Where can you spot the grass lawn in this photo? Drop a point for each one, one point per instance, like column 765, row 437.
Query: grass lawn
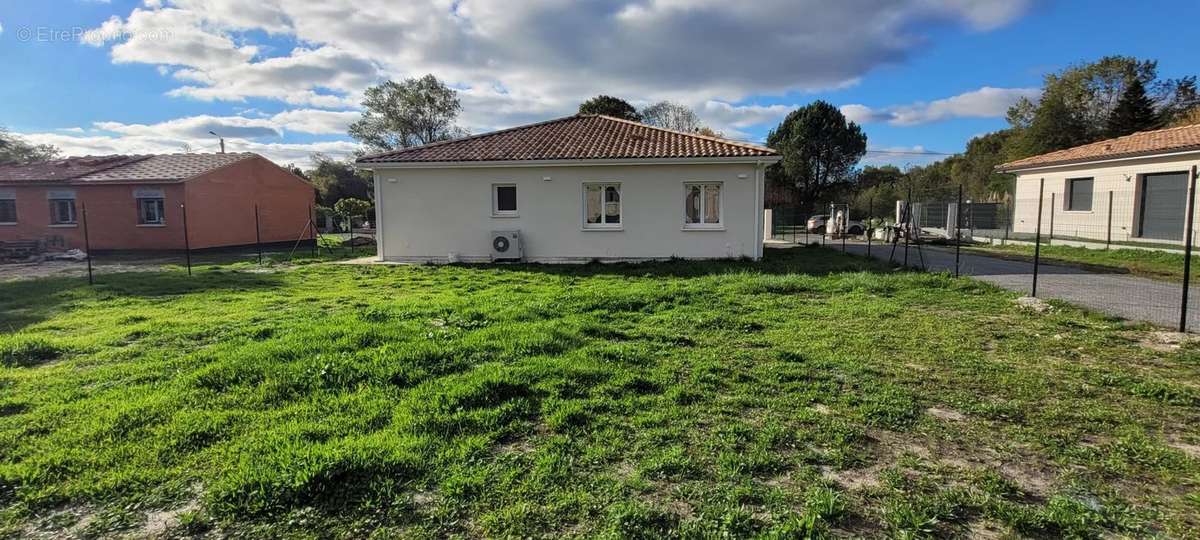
column 813, row 394
column 1152, row 264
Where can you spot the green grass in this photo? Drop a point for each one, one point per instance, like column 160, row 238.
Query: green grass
column 809, row 395
column 1146, row 263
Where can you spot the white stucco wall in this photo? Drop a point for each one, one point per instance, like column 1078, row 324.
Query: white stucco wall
column 425, row 214
column 1122, row 178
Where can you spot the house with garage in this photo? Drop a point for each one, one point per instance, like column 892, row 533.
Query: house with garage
column 1130, row 189
column 575, row 189
column 139, row 202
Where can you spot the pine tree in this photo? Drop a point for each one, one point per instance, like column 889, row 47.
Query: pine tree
column 1134, row 112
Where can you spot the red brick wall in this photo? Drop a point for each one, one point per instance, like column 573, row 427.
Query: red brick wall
column 111, row 216
column 220, row 208
column 220, row 204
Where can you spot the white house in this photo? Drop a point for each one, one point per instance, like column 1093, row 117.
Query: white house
column 575, row 189
column 1129, row 189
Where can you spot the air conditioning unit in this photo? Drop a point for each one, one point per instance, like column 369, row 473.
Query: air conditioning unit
column 506, row 245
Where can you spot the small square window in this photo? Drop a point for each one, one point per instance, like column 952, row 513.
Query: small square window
column 504, row 199
column 151, row 211
column 62, row 211
column 8, row 211
column 1079, row 194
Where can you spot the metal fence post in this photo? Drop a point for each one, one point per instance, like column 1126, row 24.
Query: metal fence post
column 313, row 231
column 908, row 219
column 257, row 235
column 1187, row 250
column 1037, row 242
column 1108, row 238
column 1051, row 217
column 957, row 231
column 187, row 246
column 87, row 245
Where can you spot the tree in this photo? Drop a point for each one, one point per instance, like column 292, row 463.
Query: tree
column 671, row 115
column 819, row 148
column 1134, row 112
column 1187, row 118
column 610, row 106
column 350, row 208
column 336, row 180
column 1078, row 102
column 407, row 113
column 14, row 149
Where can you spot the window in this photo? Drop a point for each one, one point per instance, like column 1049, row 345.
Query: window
column 504, row 200
column 702, row 206
column 1079, row 194
column 602, row 206
column 8, row 210
column 62, row 211
column 151, row 211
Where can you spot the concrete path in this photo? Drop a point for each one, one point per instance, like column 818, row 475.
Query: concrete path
column 1119, row 295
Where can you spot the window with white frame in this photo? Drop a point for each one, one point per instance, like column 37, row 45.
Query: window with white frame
column 504, row 199
column 702, row 205
column 8, row 207
column 62, row 208
column 602, row 206
column 151, row 211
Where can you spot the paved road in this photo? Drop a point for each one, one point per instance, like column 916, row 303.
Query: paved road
column 1120, row 295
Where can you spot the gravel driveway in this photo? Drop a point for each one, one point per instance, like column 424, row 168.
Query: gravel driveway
column 1119, row 295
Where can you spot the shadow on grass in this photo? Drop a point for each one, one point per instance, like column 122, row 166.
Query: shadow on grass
column 27, row 302
column 814, row 261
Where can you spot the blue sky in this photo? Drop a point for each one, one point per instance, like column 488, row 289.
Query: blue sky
column 283, row 77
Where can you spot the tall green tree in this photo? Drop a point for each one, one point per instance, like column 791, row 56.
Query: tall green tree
column 408, row 113
column 820, row 149
column 1134, row 112
column 610, row 106
column 14, row 149
column 1078, row 102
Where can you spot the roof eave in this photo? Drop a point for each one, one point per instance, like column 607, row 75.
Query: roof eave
column 766, row 160
column 1005, row 168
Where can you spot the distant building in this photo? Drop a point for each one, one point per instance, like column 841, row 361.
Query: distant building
column 1129, row 189
column 137, row 202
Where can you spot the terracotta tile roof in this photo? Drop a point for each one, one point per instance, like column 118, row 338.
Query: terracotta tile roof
column 62, row 170
column 1137, row 144
column 579, row 137
column 166, row 167
column 117, row 169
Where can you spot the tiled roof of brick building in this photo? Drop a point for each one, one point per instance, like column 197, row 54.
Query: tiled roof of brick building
column 1138, row 144
column 118, row 168
column 579, row 137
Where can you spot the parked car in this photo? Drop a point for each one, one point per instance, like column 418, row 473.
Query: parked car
column 816, row 224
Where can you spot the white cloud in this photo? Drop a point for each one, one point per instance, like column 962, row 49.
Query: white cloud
column 282, row 153
column 549, row 54
column 987, row 102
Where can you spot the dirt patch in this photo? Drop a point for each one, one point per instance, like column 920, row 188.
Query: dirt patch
column 821, row 409
column 158, row 523
column 945, row 414
column 1162, row 341
column 1033, row 304
column 855, row 479
column 986, row 530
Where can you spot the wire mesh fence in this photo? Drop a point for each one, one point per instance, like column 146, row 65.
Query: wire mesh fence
column 95, row 238
column 1125, row 252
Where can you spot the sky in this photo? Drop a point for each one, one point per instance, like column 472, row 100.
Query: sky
column 284, row 78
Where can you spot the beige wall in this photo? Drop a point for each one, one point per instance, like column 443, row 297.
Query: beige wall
column 425, row 214
column 1122, row 178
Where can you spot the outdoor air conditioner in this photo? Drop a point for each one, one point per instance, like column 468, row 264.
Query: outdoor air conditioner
column 506, row 245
